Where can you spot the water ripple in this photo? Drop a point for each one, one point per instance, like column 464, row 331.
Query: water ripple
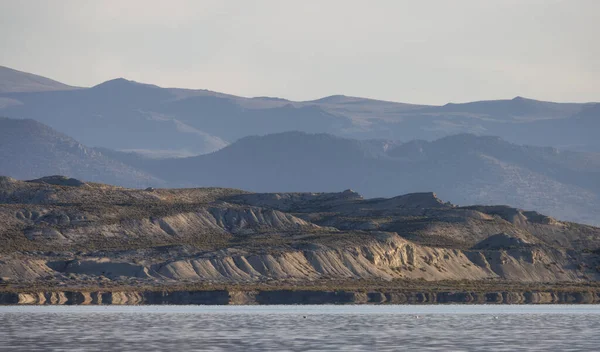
column 300, row 328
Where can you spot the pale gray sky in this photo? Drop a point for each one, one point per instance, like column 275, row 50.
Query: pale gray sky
column 422, row 51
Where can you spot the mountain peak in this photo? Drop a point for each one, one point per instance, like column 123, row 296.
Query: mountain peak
column 519, row 98
column 332, row 99
column 121, row 82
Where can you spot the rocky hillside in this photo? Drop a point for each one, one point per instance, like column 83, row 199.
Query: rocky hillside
column 67, row 233
column 29, row 149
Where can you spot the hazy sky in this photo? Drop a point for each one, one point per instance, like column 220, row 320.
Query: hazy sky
column 411, row 51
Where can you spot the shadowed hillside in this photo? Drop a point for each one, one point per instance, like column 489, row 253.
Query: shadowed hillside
column 29, row 149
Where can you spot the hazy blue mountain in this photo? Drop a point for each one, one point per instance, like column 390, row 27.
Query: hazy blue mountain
column 519, row 108
column 229, row 118
column 29, row 150
column 125, row 115
column 464, row 169
column 118, row 114
column 519, row 120
column 584, row 129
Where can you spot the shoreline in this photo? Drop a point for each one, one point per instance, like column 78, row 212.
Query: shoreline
column 295, row 297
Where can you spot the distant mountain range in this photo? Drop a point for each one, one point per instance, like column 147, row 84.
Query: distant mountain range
column 29, row 149
column 463, row 169
column 125, row 115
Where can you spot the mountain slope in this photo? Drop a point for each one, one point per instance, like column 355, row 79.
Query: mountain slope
column 290, row 161
column 488, row 170
column 12, row 81
column 29, row 149
column 462, row 168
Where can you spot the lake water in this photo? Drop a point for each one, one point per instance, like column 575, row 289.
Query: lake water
column 301, row 328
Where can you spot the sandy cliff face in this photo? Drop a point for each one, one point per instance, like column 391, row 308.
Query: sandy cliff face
column 387, row 257
column 391, row 258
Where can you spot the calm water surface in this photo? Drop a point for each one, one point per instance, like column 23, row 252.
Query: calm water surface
column 300, row 328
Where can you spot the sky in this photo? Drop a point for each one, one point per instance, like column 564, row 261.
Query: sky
column 425, row 52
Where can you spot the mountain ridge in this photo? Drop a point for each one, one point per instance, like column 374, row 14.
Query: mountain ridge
column 157, row 114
